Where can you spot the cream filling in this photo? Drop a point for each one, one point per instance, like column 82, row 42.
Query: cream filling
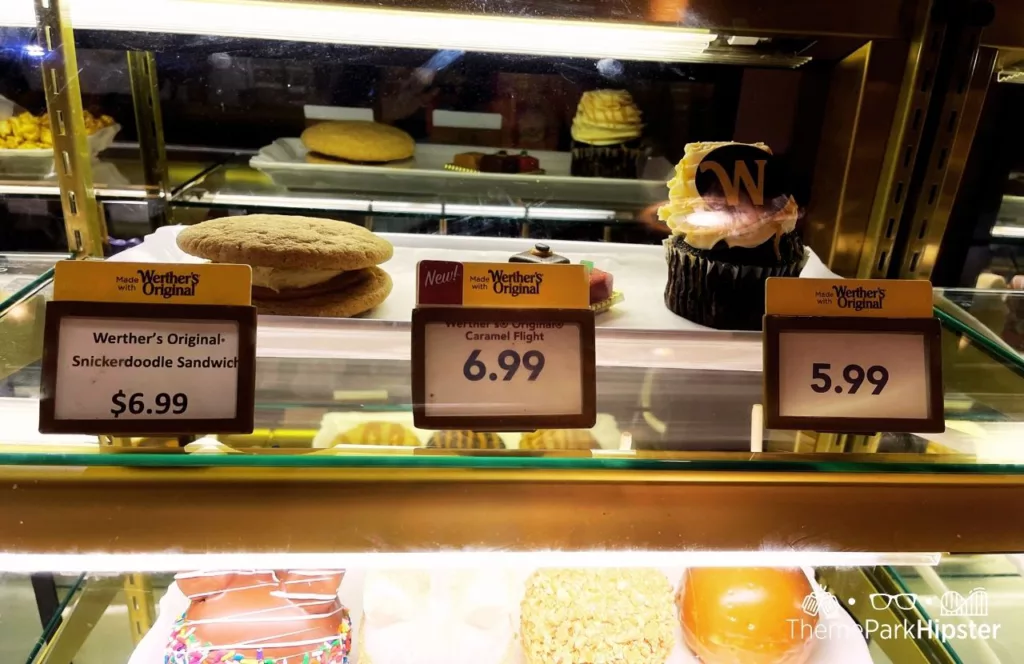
column 279, row 279
column 689, row 215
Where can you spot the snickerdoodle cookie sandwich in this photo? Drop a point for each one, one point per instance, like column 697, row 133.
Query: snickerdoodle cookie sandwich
column 301, row 266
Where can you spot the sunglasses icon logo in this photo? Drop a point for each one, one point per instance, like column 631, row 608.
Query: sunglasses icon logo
column 883, row 601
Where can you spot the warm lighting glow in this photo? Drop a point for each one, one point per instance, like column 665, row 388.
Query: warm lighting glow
column 367, row 26
column 1008, row 231
column 709, row 218
column 114, row 563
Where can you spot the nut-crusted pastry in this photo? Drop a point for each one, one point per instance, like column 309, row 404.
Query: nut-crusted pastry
column 586, row 616
column 391, row 434
column 465, row 440
column 558, row 439
column 360, row 141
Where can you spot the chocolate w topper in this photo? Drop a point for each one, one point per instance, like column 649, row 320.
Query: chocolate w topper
column 509, row 285
column 739, row 176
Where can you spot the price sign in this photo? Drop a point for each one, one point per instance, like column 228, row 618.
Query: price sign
column 147, row 368
column 853, row 374
column 503, row 369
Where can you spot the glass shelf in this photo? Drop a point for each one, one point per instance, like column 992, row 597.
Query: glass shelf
column 117, row 175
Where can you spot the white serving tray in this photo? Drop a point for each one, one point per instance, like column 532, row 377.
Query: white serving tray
column 40, row 161
column 842, row 645
column 284, row 161
column 640, row 271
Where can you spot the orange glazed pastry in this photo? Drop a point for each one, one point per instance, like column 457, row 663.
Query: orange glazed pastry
column 745, row 615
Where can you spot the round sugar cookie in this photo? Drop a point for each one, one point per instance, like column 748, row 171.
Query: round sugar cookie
column 356, row 140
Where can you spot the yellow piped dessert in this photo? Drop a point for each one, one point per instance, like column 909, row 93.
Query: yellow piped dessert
column 606, row 135
column 606, row 117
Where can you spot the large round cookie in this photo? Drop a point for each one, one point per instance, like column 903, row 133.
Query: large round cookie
column 351, row 301
column 354, row 140
column 284, row 241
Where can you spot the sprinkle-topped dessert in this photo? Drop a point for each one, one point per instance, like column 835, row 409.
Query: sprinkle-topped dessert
column 261, row 617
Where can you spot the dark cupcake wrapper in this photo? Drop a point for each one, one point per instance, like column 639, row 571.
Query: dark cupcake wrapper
column 621, row 160
column 719, row 293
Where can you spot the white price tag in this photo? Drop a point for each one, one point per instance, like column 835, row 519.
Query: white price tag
column 852, row 375
column 490, row 369
column 147, row 369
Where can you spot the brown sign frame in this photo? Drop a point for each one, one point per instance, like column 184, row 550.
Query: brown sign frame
column 422, row 316
column 928, row 328
column 243, row 421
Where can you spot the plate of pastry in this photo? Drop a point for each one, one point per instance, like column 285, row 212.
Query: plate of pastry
column 362, row 157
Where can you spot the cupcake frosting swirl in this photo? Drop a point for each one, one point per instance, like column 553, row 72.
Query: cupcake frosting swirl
column 606, row 117
column 703, row 225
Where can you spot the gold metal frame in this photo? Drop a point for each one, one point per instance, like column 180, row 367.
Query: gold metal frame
column 863, row 91
column 138, row 596
column 85, row 229
column 974, row 70
column 308, row 509
column 904, row 144
column 149, row 122
column 78, row 621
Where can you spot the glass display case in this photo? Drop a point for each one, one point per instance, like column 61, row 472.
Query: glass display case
column 678, row 528
column 856, row 547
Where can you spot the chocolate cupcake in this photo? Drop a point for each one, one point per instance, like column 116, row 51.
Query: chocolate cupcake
column 606, row 136
column 730, row 233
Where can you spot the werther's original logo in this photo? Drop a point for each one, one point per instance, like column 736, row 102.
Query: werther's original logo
column 168, row 284
column 859, row 298
column 516, row 283
column 737, row 175
column 740, row 175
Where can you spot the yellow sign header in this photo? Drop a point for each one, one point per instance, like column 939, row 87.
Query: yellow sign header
column 526, row 286
column 153, row 283
column 508, row 285
column 861, row 298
